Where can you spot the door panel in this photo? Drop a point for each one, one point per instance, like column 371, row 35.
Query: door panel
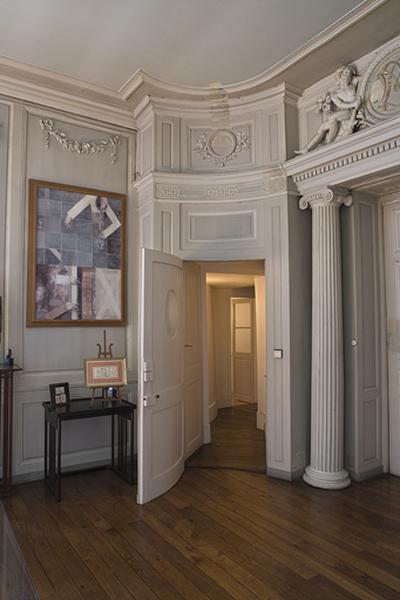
column 192, row 359
column 160, row 401
column 392, row 259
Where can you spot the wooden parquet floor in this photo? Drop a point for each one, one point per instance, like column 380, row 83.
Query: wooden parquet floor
column 218, row 534
column 236, row 441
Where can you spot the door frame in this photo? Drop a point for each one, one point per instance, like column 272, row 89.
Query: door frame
column 384, row 201
column 255, row 267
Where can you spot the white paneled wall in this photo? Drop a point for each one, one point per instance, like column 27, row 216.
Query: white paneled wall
column 51, row 354
column 362, row 338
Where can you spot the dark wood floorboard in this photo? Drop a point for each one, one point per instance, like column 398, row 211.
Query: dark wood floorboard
column 218, row 534
column 236, row 443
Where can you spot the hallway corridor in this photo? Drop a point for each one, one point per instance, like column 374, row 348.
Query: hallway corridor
column 236, row 443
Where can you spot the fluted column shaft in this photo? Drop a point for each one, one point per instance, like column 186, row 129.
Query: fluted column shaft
column 327, row 391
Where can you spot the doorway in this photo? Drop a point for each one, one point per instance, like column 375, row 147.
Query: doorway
column 234, row 352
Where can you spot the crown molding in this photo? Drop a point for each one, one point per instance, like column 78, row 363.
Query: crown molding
column 302, row 68
column 141, row 82
column 61, row 92
column 289, row 93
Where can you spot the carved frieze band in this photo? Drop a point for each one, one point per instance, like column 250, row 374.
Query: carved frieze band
column 326, row 196
column 222, row 192
column 347, row 160
column 87, row 147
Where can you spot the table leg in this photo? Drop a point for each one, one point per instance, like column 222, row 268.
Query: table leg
column 46, row 444
column 119, row 445
column 132, row 449
column 52, row 459
column 124, row 447
column 59, row 463
column 112, row 441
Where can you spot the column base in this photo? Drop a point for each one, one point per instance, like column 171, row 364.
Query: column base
column 326, row 480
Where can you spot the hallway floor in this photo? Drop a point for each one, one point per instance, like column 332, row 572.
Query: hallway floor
column 236, row 443
column 217, row 534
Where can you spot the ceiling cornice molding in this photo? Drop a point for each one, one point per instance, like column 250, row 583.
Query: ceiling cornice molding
column 38, row 86
column 46, row 88
column 160, row 87
column 285, row 91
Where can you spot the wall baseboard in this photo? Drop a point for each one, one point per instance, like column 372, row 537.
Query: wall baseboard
column 261, row 418
column 364, row 475
column 212, row 412
column 285, row 475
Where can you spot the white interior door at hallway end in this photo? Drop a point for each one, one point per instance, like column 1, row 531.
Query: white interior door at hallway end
column 242, row 320
column 392, row 264
column 160, row 397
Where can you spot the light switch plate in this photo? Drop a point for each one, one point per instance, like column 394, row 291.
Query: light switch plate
column 278, row 353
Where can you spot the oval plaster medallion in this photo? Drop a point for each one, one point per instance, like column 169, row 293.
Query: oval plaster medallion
column 223, row 142
column 380, row 87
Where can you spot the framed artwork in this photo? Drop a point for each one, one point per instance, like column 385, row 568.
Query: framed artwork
column 76, row 256
column 105, row 372
column 59, row 394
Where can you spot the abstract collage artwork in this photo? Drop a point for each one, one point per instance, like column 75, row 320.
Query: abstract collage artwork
column 76, row 270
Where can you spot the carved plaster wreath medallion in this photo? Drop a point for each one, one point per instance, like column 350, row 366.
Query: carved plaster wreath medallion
column 380, row 86
column 222, row 145
column 86, row 147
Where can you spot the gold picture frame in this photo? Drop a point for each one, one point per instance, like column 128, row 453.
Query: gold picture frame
column 105, row 372
column 76, row 256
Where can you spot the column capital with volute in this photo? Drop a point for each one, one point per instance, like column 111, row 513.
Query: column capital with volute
column 326, row 196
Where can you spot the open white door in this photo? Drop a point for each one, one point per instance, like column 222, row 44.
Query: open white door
column 160, row 397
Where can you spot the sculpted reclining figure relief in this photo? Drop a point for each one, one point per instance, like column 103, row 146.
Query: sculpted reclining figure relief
column 341, row 109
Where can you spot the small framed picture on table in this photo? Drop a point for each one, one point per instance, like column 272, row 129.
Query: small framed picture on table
column 105, row 373
column 59, row 394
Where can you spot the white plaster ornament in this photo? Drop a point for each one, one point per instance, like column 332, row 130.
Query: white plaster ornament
column 86, row 147
column 221, row 146
column 341, row 108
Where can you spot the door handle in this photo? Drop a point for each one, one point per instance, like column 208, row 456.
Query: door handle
column 188, row 346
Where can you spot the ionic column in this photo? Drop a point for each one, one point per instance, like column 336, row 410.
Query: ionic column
column 327, row 392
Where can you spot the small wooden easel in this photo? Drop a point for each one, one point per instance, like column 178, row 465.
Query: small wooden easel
column 103, row 353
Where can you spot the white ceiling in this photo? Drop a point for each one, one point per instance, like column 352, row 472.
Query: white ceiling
column 193, row 42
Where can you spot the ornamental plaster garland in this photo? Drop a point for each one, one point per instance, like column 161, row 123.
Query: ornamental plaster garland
column 87, row 147
column 206, row 145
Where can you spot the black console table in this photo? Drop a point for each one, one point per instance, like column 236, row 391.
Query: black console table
column 86, row 408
